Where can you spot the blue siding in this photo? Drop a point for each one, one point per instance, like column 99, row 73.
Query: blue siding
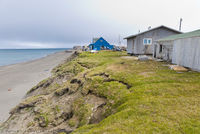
column 100, row 44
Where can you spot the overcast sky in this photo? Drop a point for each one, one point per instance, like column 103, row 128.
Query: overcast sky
column 64, row 23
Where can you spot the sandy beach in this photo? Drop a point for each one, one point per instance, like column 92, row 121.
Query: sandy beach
column 17, row 79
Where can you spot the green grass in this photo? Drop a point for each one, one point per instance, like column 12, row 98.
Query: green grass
column 159, row 101
column 45, row 119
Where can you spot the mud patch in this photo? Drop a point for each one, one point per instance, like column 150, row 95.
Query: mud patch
column 146, row 74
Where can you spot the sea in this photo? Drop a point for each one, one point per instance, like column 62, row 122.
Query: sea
column 13, row 56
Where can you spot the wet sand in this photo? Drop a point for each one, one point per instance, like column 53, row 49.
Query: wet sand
column 17, row 79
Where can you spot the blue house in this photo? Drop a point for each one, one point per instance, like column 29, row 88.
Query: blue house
column 100, row 44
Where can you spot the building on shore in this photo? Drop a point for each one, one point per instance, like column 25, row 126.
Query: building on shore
column 144, row 43
column 100, row 44
column 181, row 49
column 77, row 48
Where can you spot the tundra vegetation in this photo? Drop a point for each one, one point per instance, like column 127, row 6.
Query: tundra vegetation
column 106, row 92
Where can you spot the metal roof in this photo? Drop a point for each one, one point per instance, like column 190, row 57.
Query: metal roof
column 195, row 33
column 152, row 30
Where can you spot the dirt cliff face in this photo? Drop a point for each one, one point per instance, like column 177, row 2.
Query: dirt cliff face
column 59, row 104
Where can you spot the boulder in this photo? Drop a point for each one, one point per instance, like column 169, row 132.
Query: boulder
column 143, row 58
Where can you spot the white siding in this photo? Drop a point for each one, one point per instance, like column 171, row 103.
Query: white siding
column 186, row 52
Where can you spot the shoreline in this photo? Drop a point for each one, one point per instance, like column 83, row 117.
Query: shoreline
column 67, row 50
column 17, row 79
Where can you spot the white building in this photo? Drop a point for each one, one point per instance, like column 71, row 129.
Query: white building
column 184, row 49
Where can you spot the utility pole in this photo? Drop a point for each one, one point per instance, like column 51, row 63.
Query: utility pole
column 119, row 40
column 180, row 26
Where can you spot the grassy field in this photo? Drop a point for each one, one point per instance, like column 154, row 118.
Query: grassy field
column 145, row 97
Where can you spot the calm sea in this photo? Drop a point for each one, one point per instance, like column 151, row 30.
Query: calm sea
column 13, row 56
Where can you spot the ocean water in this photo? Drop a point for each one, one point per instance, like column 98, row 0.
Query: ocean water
column 13, row 56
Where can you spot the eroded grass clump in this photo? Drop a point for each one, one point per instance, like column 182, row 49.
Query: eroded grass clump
column 68, row 68
column 44, row 83
column 82, row 111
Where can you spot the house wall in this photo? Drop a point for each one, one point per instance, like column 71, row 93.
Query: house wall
column 156, row 34
column 186, row 52
column 167, row 49
column 130, row 46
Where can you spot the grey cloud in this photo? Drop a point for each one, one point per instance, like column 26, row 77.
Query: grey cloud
column 46, row 21
column 59, row 22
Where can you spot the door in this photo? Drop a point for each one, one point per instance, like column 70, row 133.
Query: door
column 155, row 49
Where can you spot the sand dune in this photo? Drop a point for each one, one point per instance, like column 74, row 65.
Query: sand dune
column 17, row 79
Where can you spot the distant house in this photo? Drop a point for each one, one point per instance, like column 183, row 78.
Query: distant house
column 143, row 43
column 77, row 48
column 181, row 49
column 100, row 44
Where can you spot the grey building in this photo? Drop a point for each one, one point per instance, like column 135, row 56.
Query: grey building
column 144, row 42
column 181, row 49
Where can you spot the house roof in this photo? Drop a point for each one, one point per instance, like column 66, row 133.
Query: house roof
column 152, row 30
column 100, row 41
column 195, row 33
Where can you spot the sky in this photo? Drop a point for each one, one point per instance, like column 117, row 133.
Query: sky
column 65, row 23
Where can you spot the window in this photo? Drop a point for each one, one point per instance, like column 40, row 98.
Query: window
column 147, row 41
column 161, row 48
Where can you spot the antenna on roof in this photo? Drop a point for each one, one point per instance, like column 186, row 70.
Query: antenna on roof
column 149, row 27
column 139, row 31
column 180, row 26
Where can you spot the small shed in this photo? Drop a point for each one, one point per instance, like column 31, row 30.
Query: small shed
column 100, row 44
column 144, row 42
column 184, row 49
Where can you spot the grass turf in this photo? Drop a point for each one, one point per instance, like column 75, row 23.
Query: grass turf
column 158, row 99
